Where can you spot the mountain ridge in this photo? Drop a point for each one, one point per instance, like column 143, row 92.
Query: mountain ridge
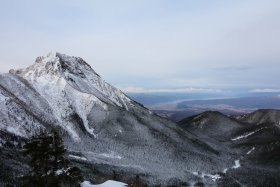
column 255, row 144
column 98, row 123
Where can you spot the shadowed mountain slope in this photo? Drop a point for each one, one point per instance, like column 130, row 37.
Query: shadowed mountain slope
column 253, row 139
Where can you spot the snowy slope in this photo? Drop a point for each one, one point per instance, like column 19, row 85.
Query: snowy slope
column 252, row 139
column 75, row 72
column 109, row 183
column 70, row 86
column 100, row 125
column 262, row 116
column 22, row 109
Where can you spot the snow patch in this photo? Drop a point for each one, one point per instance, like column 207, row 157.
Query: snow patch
column 111, row 155
column 3, row 98
column 246, row 135
column 225, row 170
column 61, row 171
column 133, row 166
column 16, row 130
column 214, row 177
column 205, row 175
column 78, row 157
column 250, row 151
column 236, row 164
column 195, row 173
column 109, row 183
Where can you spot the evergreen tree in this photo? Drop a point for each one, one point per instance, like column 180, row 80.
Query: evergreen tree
column 49, row 167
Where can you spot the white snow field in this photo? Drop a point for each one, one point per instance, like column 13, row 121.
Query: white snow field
column 109, row 183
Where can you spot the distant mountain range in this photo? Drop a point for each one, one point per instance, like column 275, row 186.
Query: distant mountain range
column 185, row 105
column 106, row 132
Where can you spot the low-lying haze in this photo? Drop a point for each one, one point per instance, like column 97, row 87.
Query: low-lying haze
column 151, row 45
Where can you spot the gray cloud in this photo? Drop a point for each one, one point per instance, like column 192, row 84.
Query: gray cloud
column 151, row 44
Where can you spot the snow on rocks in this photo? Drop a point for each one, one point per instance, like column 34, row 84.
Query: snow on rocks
column 112, row 155
column 214, row 177
column 16, row 130
column 250, row 151
column 246, row 135
column 3, row 98
column 109, row 183
column 225, row 170
column 45, row 78
column 82, row 104
column 82, row 77
column 133, row 166
column 62, row 171
column 71, row 87
column 78, row 157
column 236, row 164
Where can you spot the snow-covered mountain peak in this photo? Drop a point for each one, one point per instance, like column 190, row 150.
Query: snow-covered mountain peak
column 72, row 88
column 55, row 64
column 43, row 65
column 50, row 57
column 56, row 68
column 72, row 61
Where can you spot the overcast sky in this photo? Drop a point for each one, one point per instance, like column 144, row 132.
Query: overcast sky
column 152, row 44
